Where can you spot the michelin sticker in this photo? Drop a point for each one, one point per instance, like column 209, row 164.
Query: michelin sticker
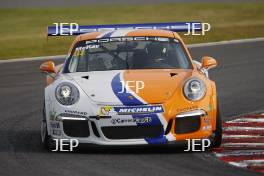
column 123, row 110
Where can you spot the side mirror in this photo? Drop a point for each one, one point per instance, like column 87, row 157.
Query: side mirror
column 48, row 67
column 208, row 63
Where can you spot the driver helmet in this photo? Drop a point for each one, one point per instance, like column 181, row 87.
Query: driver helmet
column 156, row 51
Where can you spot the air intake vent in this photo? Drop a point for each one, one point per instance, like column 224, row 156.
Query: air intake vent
column 188, row 124
column 76, row 128
column 132, row 132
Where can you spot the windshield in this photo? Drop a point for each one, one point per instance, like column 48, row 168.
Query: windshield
column 128, row 53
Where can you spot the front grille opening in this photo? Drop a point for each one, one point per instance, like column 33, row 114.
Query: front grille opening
column 132, row 132
column 188, row 124
column 168, row 129
column 94, row 128
column 76, row 128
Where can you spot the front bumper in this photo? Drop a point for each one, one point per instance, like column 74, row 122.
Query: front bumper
column 195, row 124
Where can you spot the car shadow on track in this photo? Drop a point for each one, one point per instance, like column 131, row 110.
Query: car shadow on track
column 29, row 141
column 130, row 150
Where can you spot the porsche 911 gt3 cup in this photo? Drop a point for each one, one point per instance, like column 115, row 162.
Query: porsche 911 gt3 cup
column 130, row 87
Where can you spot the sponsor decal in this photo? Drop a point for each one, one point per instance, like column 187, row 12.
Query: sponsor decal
column 207, row 120
column 106, row 110
column 189, row 108
column 207, row 128
column 134, row 120
column 123, row 110
column 52, row 114
column 80, row 51
column 207, row 123
column 76, row 112
column 55, row 124
column 56, row 132
column 139, row 109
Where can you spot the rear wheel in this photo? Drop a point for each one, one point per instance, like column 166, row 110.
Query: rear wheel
column 217, row 134
column 45, row 138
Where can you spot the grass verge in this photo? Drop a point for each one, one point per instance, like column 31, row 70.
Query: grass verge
column 22, row 31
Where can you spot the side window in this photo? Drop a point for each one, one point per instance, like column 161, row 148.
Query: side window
column 82, row 63
column 183, row 61
column 77, row 52
column 73, row 64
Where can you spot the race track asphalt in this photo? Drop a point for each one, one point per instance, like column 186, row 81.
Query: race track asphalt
column 240, row 84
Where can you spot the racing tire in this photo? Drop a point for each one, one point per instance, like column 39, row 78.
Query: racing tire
column 217, row 134
column 46, row 139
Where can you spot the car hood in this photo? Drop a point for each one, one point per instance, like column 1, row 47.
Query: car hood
column 104, row 87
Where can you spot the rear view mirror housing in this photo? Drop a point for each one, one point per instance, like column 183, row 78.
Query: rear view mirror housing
column 208, row 63
column 48, row 67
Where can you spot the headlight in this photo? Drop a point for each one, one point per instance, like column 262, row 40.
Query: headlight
column 67, row 94
column 194, row 89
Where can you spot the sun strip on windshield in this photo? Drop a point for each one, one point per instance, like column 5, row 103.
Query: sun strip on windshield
column 127, row 39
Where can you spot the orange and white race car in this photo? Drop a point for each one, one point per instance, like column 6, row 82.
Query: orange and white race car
column 130, row 87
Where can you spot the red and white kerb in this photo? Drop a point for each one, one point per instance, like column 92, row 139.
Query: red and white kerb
column 243, row 142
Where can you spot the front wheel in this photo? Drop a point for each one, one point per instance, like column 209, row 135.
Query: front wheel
column 217, row 134
column 45, row 138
